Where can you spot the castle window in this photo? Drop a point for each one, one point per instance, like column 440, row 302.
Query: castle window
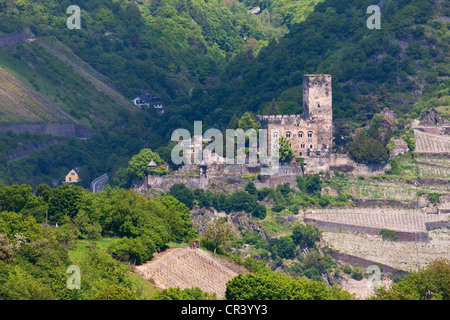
column 300, row 134
column 275, row 135
column 299, row 153
column 288, row 134
column 310, row 134
column 302, row 145
column 311, row 146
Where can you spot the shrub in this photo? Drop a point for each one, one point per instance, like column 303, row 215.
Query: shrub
column 387, row 234
column 433, row 197
column 347, row 269
column 357, row 273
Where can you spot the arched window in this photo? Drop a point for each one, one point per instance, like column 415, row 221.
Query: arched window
column 302, row 145
column 310, row 134
column 275, row 135
column 288, row 134
column 300, row 134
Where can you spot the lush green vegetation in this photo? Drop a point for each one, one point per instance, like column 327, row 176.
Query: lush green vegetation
column 35, row 256
column 430, row 283
column 277, row 286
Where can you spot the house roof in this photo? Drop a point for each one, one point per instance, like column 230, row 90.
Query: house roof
column 77, row 170
column 152, row 164
column 149, row 98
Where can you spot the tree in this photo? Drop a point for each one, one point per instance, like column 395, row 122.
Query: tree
column 430, row 283
column 218, row 233
column 44, row 191
column 305, row 235
column 183, row 194
column 137, row 166
column 278, row 286
column 15, row 197
column 6, row 249
column 250, row 188
column 64, row 202
column 260, row 211
column 285, row 151
column 128, row 250
column 273, row 109
column 247, row 121
column 409, row 138
column 367, row 150
column 313, row 183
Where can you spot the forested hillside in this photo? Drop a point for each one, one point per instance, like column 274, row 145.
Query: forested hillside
column 396, row 66
column 211, row 60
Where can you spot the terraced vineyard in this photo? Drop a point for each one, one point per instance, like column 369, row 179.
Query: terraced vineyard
column 389, row 218
column 433, row 172
column 187, row 268
column 389, row 191
column 19, row 103
column 431, row 143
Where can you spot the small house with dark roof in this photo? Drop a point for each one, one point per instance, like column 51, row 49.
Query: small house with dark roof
column 149, row 100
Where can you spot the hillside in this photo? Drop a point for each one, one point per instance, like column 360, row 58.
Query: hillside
column 19, row 103
column 50, row 70
column 187, row 268
column 397, row 66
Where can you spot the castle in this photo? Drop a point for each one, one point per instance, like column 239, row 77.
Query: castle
column 310, row 136
column 309, row 133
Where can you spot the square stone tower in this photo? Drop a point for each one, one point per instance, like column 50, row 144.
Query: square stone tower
column 317, row 106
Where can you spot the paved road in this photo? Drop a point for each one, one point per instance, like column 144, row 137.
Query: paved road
column 99, row 183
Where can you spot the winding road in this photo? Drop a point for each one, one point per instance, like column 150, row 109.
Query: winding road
column 99, row 183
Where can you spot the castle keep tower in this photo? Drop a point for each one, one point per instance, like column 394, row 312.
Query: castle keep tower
column 311, row 133
column 317, row 106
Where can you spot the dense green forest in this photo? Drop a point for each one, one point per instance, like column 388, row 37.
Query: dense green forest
column 212, row 60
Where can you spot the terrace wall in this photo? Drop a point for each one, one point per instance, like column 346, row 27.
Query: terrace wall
column 363, row 263
column 403, row 236
column 386, row 203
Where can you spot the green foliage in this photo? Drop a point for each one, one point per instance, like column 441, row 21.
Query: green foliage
column 278, row 286
column 218, row 233
column 408, row 137
column 433, row 197
column 285, row 151
column 390, row 235
column 430, row 283
column 367, row 150
column 64, row 202
column 185, row 294
column 357, row 273
column 130, row 250
column 183, row 194
column 305, row 235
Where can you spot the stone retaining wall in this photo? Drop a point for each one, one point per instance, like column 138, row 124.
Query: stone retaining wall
column 363, row 263
column 403, row 236
column 386, row 203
